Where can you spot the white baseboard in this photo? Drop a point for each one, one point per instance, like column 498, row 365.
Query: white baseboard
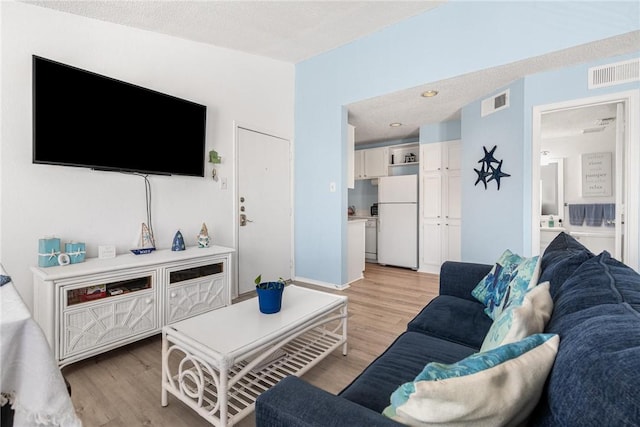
column 319, row 283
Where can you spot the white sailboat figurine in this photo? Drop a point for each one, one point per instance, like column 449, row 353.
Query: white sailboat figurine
column 145, row 243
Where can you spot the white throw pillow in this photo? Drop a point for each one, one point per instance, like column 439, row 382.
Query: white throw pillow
column 499, row 387
column 520, row 321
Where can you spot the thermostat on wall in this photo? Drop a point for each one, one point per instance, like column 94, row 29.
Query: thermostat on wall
column 106, row 251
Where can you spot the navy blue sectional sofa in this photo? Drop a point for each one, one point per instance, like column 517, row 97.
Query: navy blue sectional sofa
column 595, row 380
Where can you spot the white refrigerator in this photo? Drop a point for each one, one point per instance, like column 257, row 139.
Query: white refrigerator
column 398, row 221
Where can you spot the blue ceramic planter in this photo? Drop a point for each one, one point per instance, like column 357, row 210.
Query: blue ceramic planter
column 270, row 297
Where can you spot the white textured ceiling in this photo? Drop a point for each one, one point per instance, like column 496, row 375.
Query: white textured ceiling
column 292, row 31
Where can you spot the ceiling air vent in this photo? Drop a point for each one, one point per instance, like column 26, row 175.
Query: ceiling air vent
column 614, row 74
column 495, row 103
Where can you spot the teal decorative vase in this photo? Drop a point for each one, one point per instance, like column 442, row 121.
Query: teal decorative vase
column 270, row 297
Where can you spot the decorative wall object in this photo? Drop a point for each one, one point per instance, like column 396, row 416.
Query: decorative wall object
column 178, row 242
column 596, row 175
column 491, row 169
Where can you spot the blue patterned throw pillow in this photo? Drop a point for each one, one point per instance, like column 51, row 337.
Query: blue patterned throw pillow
column 512, row 376
column 4, row 279
column 526, row 277
column 492, row 288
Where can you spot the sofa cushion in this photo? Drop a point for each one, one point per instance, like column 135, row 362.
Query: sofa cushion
column 497, row 387
column 519, row 321
column 455, row 319
column 597, row 370
column 560, row 259
column 490, row 290
column 400, row 362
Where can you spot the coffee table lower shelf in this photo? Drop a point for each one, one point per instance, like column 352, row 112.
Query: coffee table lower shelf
column 223, row 400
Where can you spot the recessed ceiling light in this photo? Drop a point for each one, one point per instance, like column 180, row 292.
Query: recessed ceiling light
column 395, row 124
column 429, row 93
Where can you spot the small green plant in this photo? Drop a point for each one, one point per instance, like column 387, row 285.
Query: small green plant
column 269, row 285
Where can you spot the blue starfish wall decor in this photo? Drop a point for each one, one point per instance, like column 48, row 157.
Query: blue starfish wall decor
column 488, row 172
column 482, row 175
column 496, row 174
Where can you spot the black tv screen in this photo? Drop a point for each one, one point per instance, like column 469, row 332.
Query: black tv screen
column 81, row 118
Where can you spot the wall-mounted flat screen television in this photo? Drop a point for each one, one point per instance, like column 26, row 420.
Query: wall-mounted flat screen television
column 85, row 119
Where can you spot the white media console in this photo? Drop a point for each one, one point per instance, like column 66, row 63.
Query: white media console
column 94, row 306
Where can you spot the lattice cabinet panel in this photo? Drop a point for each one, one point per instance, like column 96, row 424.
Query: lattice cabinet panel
column 195, row 296
column 95, row 325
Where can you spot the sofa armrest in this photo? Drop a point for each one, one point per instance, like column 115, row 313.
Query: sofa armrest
column 459, row 278
column 295, row 403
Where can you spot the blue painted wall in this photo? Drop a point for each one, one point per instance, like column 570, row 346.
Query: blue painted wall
column 503, row 218
column 438, row 132
column 426, row 48
column 493, row 219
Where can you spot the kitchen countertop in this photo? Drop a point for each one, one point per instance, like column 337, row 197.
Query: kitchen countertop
column 558, row 229
column 354, row 217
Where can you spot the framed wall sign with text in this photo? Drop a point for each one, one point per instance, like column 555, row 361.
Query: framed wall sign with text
column 596, row 175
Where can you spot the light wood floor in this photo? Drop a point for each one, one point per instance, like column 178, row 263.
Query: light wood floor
column 121, row 388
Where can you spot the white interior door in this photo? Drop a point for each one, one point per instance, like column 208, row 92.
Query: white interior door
column 263, row 208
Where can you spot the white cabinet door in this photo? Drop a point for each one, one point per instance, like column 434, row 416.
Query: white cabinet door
column 375, row 162
column 92, row 326
column 195, row 296
column 431, row 157
column 351, row 140
column 451, row 242
column 441, row 206
column 371, row 163
column 358, row 164
column 355, row 250
column 451, row 192
column 452, row 161
column 431, row 200
column 431, row 246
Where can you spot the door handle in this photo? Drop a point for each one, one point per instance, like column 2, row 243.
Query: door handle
column 244, row 220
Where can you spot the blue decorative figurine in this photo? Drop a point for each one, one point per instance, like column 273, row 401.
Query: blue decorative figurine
column 178, row 242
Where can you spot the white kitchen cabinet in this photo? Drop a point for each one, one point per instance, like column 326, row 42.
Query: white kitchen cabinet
column 355, row 249
column 440, row 156
column 440, row 205
column 351, row 167
column 94, row 306
column 371, row 163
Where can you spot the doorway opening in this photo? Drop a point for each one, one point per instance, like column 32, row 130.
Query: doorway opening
column 584, row 179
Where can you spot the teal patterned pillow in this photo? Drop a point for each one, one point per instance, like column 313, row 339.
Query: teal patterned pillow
column 525, row 278
column 519, row 321
column 493, row 286
column 510, row 378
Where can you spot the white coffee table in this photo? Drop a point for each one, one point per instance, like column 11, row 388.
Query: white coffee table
column 219, row 362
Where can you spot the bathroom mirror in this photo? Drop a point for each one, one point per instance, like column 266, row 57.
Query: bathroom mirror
column 552, row 189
